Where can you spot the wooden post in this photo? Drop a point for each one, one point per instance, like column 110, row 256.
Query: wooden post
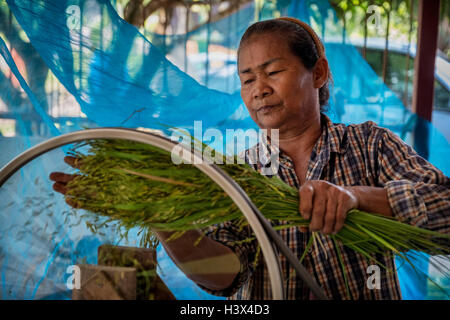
column 427, row 35
column 422, row 101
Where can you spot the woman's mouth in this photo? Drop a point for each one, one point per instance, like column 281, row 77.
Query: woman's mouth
column 267, row 108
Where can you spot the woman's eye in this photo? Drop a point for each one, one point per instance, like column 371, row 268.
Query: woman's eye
column 274, row 72
column 248, row 81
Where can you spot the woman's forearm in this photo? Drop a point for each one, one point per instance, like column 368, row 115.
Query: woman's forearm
column 372, row 199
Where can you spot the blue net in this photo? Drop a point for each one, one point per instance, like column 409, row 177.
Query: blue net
column 72, row 64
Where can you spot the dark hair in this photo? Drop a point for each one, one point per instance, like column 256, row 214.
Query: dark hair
column 299, row 41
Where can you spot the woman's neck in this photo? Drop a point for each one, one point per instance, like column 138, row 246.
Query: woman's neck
column 300, row 142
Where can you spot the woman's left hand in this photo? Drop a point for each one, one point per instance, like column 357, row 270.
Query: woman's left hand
column 326, row 204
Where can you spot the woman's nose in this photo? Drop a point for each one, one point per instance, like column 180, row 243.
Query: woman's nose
column 261, row 90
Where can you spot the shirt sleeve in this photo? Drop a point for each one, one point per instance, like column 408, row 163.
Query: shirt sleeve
column 418, row 192
column 240, row 242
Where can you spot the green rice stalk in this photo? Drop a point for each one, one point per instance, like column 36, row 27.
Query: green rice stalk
column 344, row 271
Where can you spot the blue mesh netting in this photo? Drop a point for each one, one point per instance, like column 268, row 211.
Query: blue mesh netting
column 118, row 77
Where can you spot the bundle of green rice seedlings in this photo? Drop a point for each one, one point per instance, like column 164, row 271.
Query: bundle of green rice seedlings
column 138, row 185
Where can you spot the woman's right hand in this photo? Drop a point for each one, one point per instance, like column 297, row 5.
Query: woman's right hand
column 61, row 179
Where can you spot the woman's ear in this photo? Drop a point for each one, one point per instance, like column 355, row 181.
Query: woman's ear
column 320, row 72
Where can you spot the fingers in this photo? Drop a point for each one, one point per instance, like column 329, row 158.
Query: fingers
column 72, row 203
column 60, row 187
column 72, row 161
column 306, row 193
column 326, row 205
column 341, row 214
column 330, row 216
column 318, row 213
column 61, row 177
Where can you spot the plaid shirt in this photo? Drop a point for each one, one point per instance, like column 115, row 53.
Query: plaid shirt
column 354, row 155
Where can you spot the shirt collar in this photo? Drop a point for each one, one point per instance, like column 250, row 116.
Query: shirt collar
column 332, row 139
column 334, row 135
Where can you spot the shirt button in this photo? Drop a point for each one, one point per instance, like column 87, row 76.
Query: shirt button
column 310, row 250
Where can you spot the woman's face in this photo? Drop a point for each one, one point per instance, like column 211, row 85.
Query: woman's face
column 277, row 89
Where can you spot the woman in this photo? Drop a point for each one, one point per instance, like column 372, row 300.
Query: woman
column 284, row 84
